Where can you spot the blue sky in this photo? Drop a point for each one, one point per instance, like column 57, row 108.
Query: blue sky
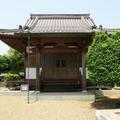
column 15, row 12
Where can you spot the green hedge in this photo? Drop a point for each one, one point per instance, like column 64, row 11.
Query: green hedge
column 12, row 77
column 104, row 59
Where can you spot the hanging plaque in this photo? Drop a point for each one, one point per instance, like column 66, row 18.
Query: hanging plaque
column 31, row 73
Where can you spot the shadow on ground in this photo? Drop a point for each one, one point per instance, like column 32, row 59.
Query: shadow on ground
column 104, row 102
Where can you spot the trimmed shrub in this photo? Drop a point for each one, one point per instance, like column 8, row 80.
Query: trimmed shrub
column 104, row 59
column 11, row 77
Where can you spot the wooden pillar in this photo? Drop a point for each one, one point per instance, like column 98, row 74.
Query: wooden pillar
column 25, row 61
column 84, row 82
column 37, row 69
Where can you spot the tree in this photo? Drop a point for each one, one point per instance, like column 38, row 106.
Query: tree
column 4, row 64
column 104, row 59
column 16, row 60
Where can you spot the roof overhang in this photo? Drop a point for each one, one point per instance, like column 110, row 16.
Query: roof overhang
column 53, row 34
column 40, row 26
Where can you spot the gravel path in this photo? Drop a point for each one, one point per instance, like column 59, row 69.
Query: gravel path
column 16, row 108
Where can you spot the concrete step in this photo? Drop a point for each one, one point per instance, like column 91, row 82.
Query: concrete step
column 82, row 96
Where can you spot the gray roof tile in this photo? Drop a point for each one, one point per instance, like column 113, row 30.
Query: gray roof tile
column 39, row 23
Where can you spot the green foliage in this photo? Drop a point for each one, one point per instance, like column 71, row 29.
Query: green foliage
column 104, row 59
column 116, row 35
column 13, row 61
column 16, row 60
column 4, row 64
column 12, row 76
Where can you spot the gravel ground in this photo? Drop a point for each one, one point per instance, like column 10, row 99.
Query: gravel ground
column 16, row 108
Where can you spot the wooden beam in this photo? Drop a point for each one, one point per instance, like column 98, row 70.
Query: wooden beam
column 60, row 50
column 61, row 40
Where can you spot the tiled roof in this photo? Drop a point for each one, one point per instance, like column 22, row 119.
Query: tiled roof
column 8, row 31
column 60, row 23
column 108, row 30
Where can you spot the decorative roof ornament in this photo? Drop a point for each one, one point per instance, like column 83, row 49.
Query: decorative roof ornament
column 20, row 29
column 26, row 29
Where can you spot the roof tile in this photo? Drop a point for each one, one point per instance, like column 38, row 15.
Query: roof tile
column 60, row 23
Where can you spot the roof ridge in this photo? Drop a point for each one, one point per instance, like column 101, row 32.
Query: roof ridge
column 60, row 15
column 8, row 30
